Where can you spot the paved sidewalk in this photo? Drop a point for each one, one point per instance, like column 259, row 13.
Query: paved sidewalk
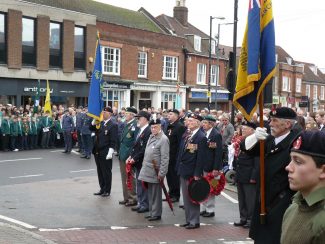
column 11, row 234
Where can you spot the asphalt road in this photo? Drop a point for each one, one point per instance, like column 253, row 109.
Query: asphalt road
column 50, row 190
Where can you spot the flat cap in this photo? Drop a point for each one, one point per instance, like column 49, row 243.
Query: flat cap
column 143, row 114
column 175, row 111
column 311, row 143
column 195, row 116
column 284, row 113
column 155, row 121
column 131, row 110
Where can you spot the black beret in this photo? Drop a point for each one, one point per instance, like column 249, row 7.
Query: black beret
column 209, row 118
column 311, row 143
column 131, row 110
column 155, row 122
column 175, row 111
column 144, row 114
column 283, row 113
column 108, row 109
column 249, row 124
column 196, row 116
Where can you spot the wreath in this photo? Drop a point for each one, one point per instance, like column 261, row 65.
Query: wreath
column 217, row 183
column 129, row 176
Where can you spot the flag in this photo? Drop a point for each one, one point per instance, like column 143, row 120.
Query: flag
column 36, row 102
column 95, row 102
column 47, row 106
column 257, row 57
column 178, row 102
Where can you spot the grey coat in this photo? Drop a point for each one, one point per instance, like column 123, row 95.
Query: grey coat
column 157, row 150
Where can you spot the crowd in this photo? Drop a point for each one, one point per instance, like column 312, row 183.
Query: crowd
column 185, row 146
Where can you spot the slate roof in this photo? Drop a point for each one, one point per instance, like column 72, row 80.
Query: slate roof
column 105, row 13
column 309, row 75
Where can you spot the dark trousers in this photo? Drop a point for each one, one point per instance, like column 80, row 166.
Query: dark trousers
column 80, row 142
column 13, row 141
column 33, row 141
column 104, row 171
column 52, row 138
column 45, row 139
column 246, row 200
column 5, row 142
column 67, row 141
column 173, row 181
column 87, row 143
column 142, row 194
column 19, row 142
column 24, row 140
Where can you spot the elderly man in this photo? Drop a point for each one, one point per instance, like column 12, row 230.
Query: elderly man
column 303, row 222
column 277, row 192
column 154, row 168
column 320, row 116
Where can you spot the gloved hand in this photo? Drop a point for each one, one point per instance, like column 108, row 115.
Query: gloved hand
column 110, row 154
column 92, row 134
column 260, row 134
column 95, row 122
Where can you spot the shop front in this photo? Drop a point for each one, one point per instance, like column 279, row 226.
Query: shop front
column 116, row 94
column 198, row 99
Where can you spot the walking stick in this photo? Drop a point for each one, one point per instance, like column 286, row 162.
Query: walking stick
column 262, row 164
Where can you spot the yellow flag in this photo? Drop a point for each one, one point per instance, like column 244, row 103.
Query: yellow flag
column 47, row 106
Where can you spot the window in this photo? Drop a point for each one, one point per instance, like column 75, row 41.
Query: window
column 201, row 74
column 28, row 42
column 142, row 64
column 213, row 47
column 3, row 52
column 170, row 68
column 315, row 92
column 79, row 48
column 322, row 93
column 197, row 43
column 214, row 75
column 275, row 85
column 111, row 60
column 168, row 100
column 55, row 45
column 298, row 84
column 285, row 83
column 308, row 91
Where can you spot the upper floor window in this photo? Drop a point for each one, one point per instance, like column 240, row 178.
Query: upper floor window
column 213, row 46
column 28, row 42
column 322, row 92
column 315, row 96
column 275, row 84
column 3, row 52
column 142, row 64
column 79, row 48
column 308, row 91
column 286, row 83
column 197, row 43
column 170, row 68
column 55, row 45
column 111, row 60
column 214, row 75
column 201, row 74
column 298, row 84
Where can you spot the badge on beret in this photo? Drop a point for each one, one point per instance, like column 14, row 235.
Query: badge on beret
column 297, row 143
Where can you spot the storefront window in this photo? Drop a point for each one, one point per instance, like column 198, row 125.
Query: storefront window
column 55, row 45
column 168, row 100
column 3, row 53
column 28, row 42
column 79, row 48
column 115, row 98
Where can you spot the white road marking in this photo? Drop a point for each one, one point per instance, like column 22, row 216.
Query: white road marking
column 19, row 159
column 238, row 242
column 221, row 239
column 229, row 197
column 75, row 152
column 57, row 150
column 82, row 170
column 118, row 228
column 25, row 176
column 60, row 229
column 162, row 242
column 191, row 241
column 17, row 222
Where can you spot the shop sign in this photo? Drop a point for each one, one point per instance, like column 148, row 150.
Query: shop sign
column 115, row 86
column 276, row 100
column 34, row 89
column 283, row 100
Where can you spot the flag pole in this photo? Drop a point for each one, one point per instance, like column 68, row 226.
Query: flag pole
column 262, row 164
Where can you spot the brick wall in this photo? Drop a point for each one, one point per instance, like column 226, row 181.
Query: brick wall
column 14, row 39
column 91, row 36
column 43, row 26
column 68, row 46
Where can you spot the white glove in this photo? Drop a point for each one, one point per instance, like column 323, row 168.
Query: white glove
column 92, row 134
column 110, row 154
column 95, row 122
column 260, row 133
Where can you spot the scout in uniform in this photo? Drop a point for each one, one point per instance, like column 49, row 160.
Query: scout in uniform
column 5, row 133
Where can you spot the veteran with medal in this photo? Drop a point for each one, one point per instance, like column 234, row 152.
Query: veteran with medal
column 190, row 162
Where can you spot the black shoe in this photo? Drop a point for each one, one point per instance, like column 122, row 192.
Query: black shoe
column 155, row 218
column 130, row 204
column 203, row 212
column 181, row 206
column 143, row 210
column 240, row 223
column 135, row 208
column 164, row 200
column 88, row 157
column 174, row 199
column 184, row 225
column 147, row 217
column 64, row 151
column 98, row 193
column 106, row 194
column 190, row 226
column 247, row 226
column 83, row 156
column 123, row 202
column 208, row 215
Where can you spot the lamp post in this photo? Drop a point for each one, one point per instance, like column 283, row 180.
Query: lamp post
column 218, row 61
column 209, row 68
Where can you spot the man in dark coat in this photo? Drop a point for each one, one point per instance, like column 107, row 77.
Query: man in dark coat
column 246, row 175
column 67, row 127
column 277, row 192
column 213, row 160
column 175, row 130
column 136, row 158
column 103, row 150
column 85, row 133
column 191, row 158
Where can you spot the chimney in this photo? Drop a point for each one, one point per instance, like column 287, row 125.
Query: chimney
column 181, row 12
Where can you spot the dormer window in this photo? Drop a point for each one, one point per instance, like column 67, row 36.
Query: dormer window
column 314, row 69
column 289, row 60
column 213, row 47
column 197, row 43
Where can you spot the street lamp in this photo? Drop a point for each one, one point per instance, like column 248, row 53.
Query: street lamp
column 218, row 61
column 209, row 68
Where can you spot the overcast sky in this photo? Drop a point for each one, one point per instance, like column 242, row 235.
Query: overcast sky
column 299, row 24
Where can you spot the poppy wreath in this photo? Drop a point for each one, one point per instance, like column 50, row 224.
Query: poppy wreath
column 216, row 185
column 129, row 176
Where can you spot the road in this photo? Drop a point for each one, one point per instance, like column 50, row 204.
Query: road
column 49, row 191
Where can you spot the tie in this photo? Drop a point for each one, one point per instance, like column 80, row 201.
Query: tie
column 138, row 135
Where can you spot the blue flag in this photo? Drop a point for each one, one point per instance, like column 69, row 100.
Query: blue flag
column 257, row 57
column 95, row 101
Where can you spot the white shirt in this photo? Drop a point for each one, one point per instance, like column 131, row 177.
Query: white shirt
column 279, row 139
column 105, row 121
column 142, row 129
column 194, row 132
column 208, row 133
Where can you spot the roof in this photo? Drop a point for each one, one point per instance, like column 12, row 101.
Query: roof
column 105, row 13
column 283, row 55
column 309, row 74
